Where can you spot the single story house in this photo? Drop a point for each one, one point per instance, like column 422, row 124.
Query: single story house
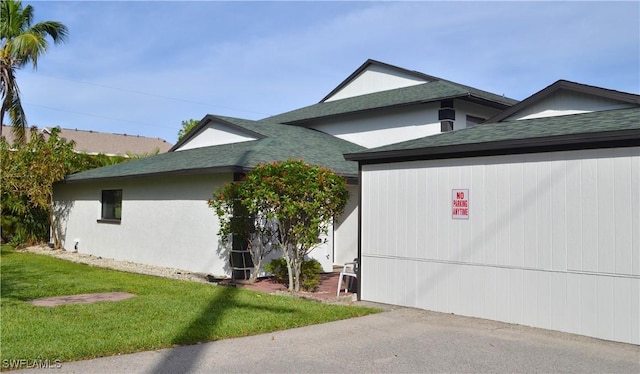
column 532, row 217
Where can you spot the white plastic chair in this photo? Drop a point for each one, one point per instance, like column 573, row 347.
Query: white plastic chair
column 348, row 271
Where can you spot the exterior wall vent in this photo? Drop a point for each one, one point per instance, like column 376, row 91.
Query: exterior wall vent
column 446, row 115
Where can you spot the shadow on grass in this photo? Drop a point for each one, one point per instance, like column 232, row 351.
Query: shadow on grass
column 13, row 277
column 185, row 359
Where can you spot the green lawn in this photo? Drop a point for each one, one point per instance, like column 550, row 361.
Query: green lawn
column 164, row 313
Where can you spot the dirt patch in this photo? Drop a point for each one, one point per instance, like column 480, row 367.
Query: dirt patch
column 82, row 298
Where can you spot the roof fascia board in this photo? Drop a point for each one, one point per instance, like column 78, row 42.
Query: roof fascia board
column 370, row 62
column 607, row 139
column 482, row 101
column 239, row 127
column 351, row 179
column 466, row 97
column 570, row 86
column 214, row 170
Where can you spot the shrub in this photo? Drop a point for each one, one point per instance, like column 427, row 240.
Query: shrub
column 309, row 273
column 278, row 267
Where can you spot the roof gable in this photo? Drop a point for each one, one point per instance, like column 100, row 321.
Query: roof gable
column 564, row 97
column 374, row 76
column 214, row 130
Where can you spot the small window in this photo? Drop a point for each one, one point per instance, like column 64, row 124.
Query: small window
column 112, row 205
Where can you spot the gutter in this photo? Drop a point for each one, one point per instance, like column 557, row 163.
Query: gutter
column 609, row 139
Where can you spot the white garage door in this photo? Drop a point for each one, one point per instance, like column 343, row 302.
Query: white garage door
column 550, row 240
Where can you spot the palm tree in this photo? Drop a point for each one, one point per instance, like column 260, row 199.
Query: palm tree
column 21, row 44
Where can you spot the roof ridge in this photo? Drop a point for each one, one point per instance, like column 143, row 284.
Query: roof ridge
column 49, row 128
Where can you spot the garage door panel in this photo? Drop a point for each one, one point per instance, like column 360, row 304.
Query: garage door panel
column 588, row 305
column 589, row 243
column 606, row 216
column 557, row 300
column 558, row 216
column 542, row 204
column 515, row 298
column 574, row 217
column 605, row 312
column 490, row 217
column 503, row 217
column 490, row 283
column 573, row 314
column 516, row 220
column 623, row 196
column 529, row 297
column 530, row 215
column 502, row 294
column 543, row 296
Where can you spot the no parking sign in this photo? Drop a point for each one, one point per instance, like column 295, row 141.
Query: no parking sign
column 460, row 204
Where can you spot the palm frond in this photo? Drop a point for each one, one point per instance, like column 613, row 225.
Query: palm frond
column 18, row 118
column 56, row 30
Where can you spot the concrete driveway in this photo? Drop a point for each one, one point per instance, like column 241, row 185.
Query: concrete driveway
column 399, row 340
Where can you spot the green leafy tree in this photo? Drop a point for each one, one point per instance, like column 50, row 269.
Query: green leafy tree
column 136, row 156
column 28, row 173
column 84, row 161
column 187, row 126
column 22, row 44
column 250, row 231
column 299, row 199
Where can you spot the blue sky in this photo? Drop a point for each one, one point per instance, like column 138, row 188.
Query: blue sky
column 141, row 68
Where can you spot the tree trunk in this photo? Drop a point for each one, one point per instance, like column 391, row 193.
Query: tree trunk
column 287, row 258
column 257, row 263
column 296, row 274
column 54, row 225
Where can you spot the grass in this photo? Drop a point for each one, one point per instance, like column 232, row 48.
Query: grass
column 164, row 313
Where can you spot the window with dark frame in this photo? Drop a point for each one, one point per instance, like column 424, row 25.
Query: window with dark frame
column 112, row 205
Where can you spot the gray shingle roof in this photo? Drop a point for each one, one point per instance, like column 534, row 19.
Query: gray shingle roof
column 280, row 142
column 522, row 133
column 421, row 93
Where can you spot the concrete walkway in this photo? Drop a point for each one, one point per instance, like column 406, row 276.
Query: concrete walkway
column 399, row 340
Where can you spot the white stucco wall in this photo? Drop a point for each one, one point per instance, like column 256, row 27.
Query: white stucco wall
column 346, row 230
column 552, row 239
column 375, row 129
column 564, row 102
column 374, row 79
column 216, row 134
column 392, row 126
column 165, row 222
